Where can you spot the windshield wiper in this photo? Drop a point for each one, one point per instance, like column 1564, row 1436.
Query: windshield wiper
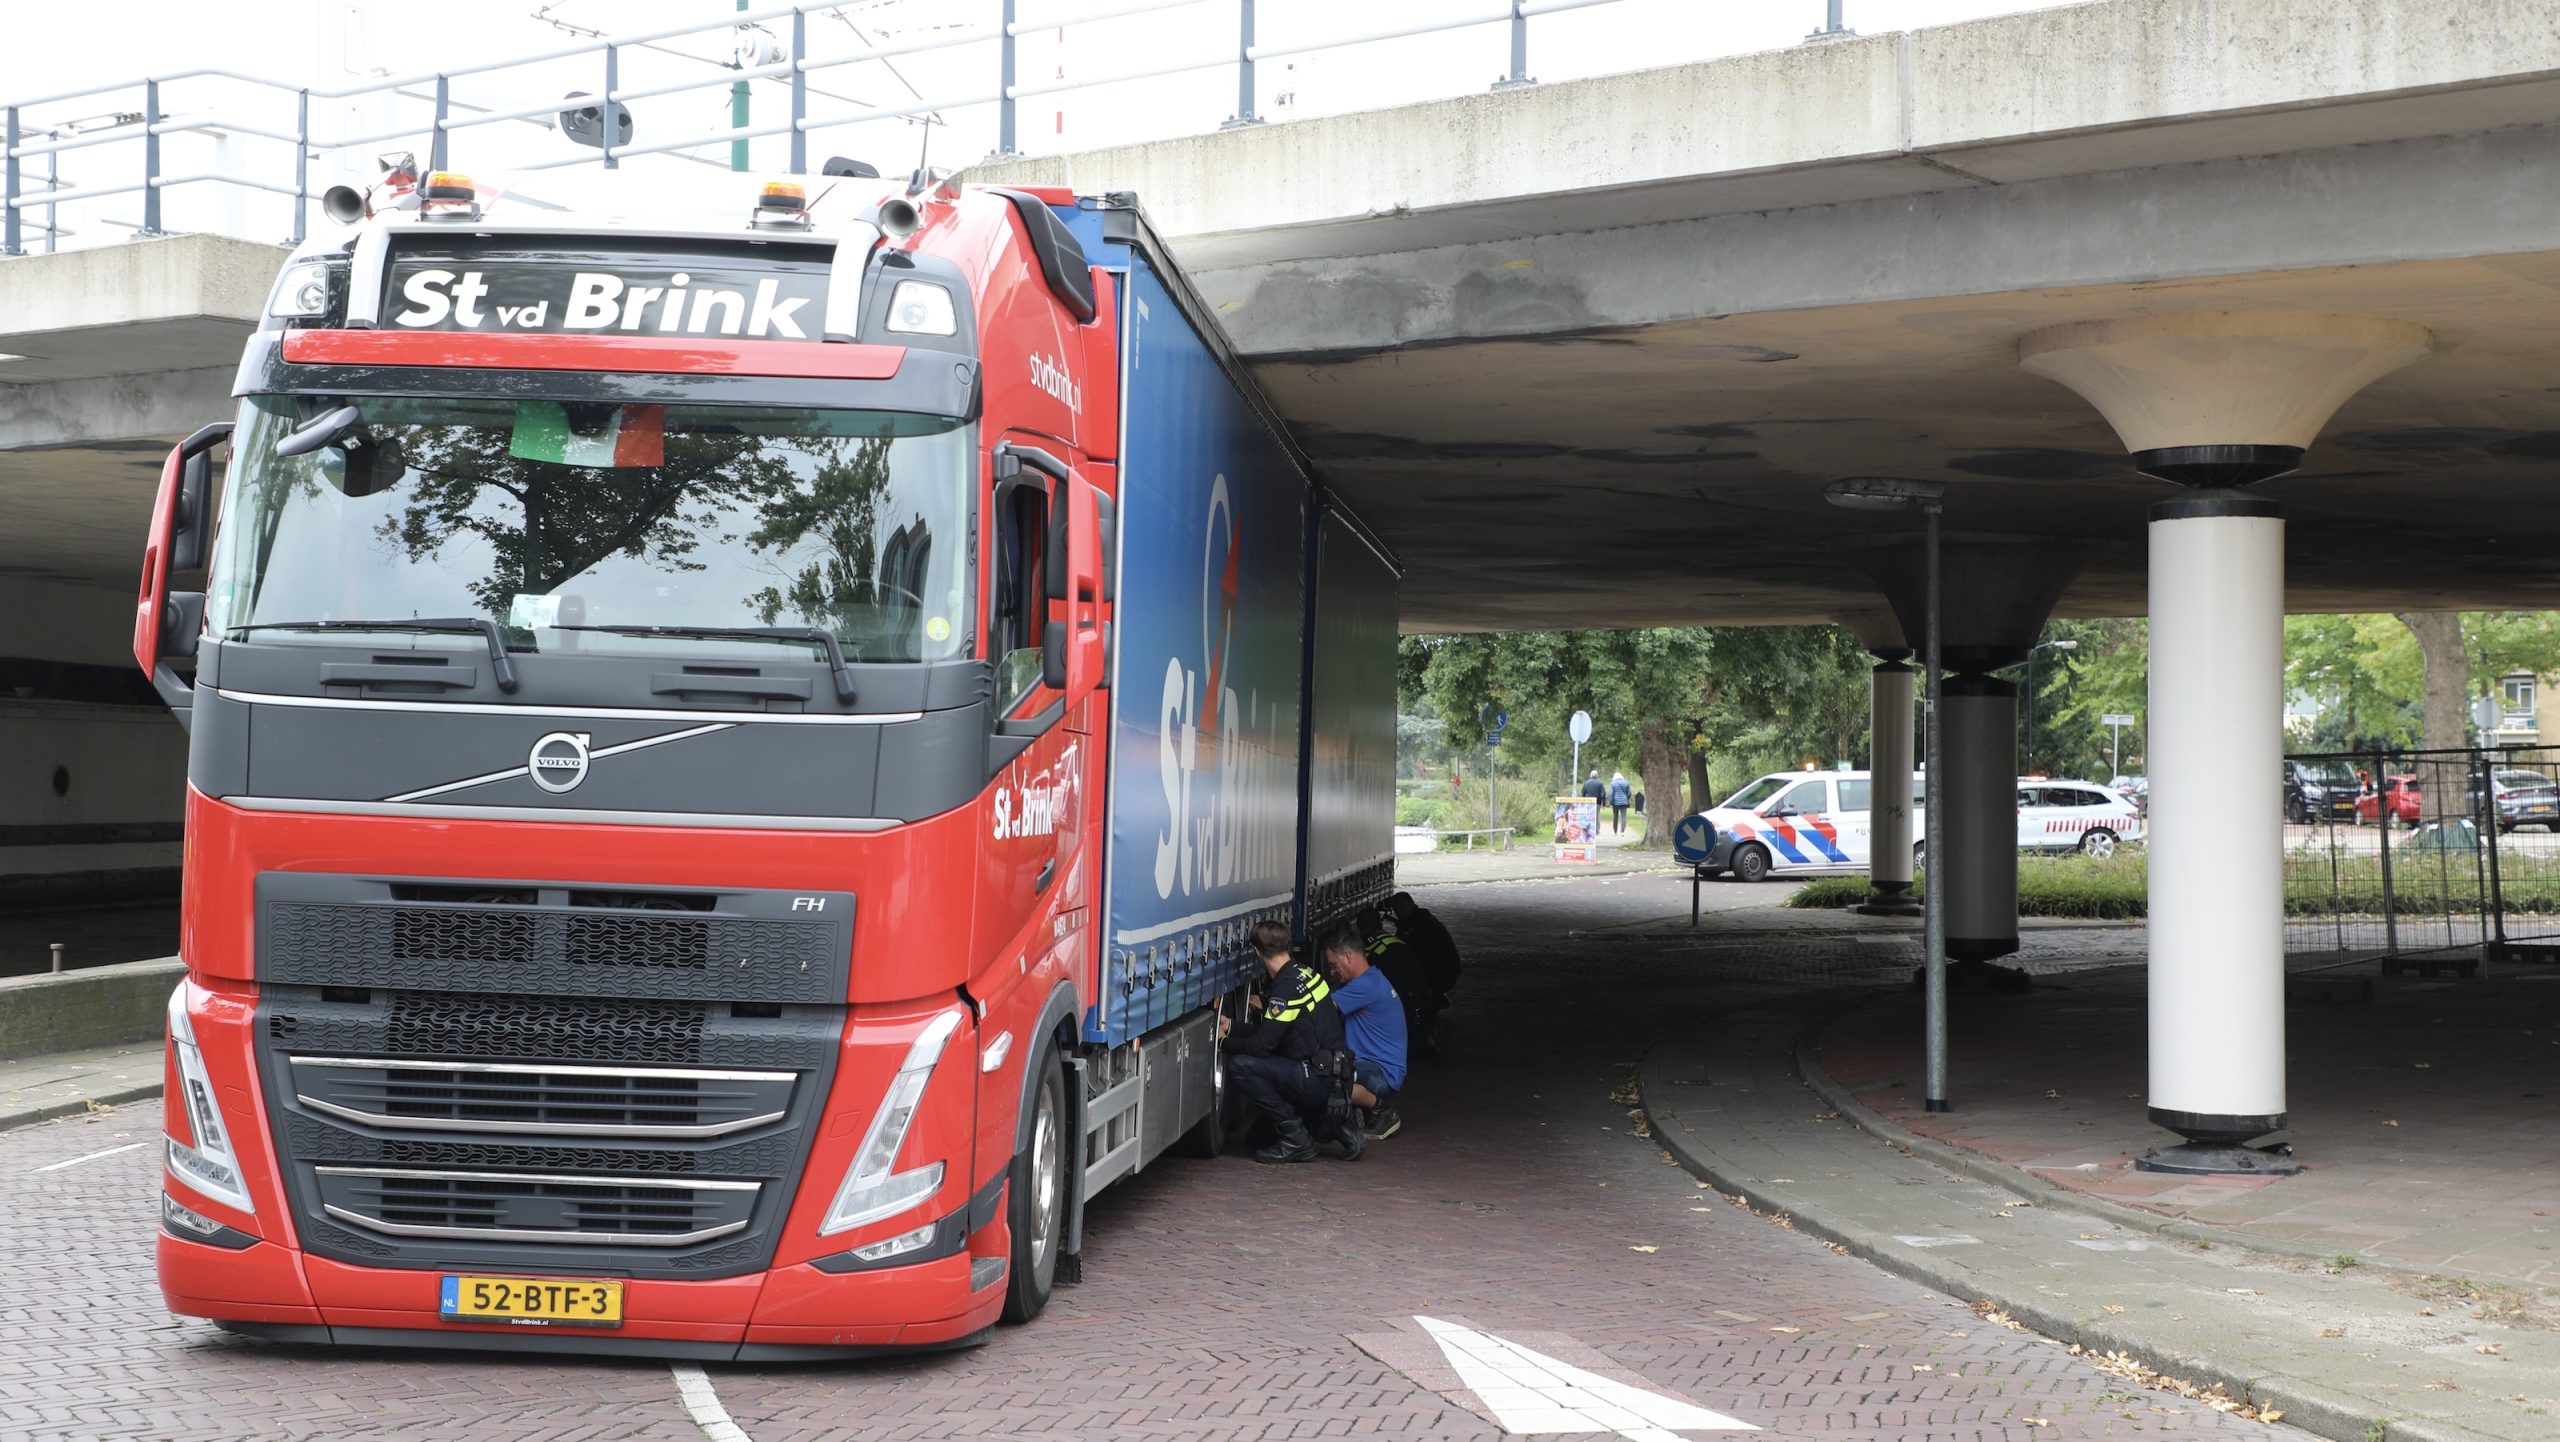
column 499, row 665
column 819, row 636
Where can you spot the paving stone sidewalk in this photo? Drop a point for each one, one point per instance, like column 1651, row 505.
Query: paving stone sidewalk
column 2341, row 1352
column 2425, row 1118
column 41, row 1088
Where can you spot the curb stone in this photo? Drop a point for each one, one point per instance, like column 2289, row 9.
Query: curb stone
column 2040, row 1190
column 2309, row 1405
column 55, row 1111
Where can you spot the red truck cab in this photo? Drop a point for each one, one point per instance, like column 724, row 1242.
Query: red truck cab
column 650, row 733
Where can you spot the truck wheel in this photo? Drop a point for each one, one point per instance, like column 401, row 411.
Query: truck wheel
column 1208, row 1136
column 2100, row 843
column 1750, row 863
column 1036, row 1196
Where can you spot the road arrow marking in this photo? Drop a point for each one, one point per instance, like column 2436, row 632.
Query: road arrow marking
column 1530, row 1392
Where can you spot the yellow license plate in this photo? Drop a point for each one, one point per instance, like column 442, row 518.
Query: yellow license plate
column 533, row 1301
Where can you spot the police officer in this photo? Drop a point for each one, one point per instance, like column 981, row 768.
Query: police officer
column 1409, row 974
column 1293, row 1023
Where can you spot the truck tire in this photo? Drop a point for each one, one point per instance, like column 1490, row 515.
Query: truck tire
column 2098, row 842
column 1750, row 863
column 1036, row 1196
column 1208, row 1136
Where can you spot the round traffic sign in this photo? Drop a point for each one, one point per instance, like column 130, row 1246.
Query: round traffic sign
column 1580, row 727
column 1694, row 840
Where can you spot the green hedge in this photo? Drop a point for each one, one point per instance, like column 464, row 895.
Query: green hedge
column 2423, row 883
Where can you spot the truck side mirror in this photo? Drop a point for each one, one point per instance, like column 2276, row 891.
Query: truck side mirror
column 1071, row 645
column 191, row 530
column 165, row 626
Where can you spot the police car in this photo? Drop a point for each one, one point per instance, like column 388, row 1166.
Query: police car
column 2077, row 816
column 1809, row 823
column 1799, row 823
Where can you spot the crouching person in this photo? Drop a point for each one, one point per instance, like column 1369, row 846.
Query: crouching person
column 1292, row 1024
column 1373, row 1026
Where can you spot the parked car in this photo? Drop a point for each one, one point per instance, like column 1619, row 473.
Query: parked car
column 2400, row 794
column 2136, row 789
column 1790, row 823
column 2525, row 798
column 2319, row 789
column 1799, row 823
column 2077, row 816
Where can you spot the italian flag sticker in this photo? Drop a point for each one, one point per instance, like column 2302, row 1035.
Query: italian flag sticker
column 634, row 436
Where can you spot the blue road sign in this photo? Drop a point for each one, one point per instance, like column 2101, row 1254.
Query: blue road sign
column 1694, row 841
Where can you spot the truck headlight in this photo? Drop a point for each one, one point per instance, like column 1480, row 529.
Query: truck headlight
column 209, row 1165
column 302, row 291
column 919, row 307
column 871, row 1190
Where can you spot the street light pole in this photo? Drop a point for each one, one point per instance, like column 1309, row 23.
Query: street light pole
column 1933, row 902
column 1880, row 493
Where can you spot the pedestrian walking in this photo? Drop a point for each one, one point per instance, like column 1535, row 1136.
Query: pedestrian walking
column 1620, row 796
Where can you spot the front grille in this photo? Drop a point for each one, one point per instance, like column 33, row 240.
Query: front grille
column 516, row 1207
column 553, row 940
column 428, row 1023
column 555, row 1100
column 546, row 1077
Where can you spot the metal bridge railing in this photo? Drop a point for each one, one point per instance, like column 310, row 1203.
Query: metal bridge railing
column 137, row 116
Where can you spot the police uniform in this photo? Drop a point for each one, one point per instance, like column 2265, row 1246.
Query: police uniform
column 1268, row 1062
column 1407, row 972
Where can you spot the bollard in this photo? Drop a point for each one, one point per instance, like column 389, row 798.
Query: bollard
column 57, row 956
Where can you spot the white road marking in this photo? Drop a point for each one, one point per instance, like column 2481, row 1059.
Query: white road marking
column 703, row 1405
column 93, row 1156
column 1957, row 1240
column 1530, row 1392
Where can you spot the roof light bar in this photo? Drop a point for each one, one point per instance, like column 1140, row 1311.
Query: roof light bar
column 781, row 205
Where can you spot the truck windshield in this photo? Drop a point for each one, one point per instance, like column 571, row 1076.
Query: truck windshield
column 573, row 525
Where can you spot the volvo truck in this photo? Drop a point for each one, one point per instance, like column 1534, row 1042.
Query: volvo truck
column 735, row 740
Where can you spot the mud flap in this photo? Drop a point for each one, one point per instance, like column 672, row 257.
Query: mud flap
column 1071, row 1250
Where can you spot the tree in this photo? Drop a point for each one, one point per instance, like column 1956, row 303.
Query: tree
column 1660, row 700
column 1641, row 687
column 2107, row 672
column 2370, row 672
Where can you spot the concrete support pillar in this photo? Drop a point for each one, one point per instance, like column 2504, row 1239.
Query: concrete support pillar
column 2216, row 743
column 1889, row 768
column 2217, row 401
column 1997, row 592
column 1978, row 857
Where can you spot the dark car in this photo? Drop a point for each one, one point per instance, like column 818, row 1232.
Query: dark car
column 2525, row 798
column 2320, row 789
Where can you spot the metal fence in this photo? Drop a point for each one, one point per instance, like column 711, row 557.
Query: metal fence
column 253, row 136
column 2429, row 859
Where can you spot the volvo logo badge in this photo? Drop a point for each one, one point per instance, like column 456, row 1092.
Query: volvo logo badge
column 559, row 761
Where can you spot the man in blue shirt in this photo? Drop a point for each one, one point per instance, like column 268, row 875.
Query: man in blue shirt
column 1372, row 1027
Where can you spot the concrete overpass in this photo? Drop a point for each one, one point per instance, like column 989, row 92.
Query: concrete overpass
column 1654, row 313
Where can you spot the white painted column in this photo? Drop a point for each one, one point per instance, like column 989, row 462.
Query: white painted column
column 2215, row 754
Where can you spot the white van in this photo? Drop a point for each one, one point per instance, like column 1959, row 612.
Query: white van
column 1810, row 823
column 1800, row 823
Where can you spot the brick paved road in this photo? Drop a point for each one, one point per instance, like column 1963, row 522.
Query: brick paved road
column 1222, row 1297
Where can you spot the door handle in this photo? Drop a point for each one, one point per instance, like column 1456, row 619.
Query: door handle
column 1048, row 873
